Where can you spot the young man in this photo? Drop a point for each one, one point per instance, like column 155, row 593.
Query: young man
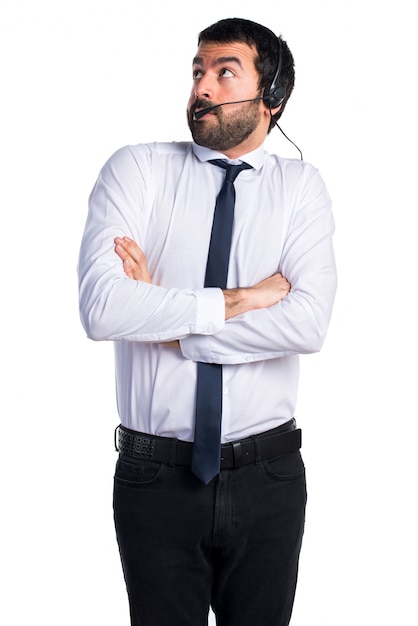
column 228, row 536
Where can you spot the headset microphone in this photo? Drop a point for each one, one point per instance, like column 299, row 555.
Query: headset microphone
column 199, row 114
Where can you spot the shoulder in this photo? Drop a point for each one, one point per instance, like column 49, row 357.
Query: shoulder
column 136, row 168
column 145, row 153
column 293, row 172
column 290, row 167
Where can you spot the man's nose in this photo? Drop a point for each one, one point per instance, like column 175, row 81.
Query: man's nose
column 205, row 87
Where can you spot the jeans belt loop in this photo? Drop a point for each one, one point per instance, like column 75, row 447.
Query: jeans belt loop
column 257, row 449
column 237, row 453
column 116, row 437
column 173, row 453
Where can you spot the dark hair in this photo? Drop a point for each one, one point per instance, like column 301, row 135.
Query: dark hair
column 267, row 45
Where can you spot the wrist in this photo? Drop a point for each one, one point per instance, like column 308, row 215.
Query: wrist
column 236, row 301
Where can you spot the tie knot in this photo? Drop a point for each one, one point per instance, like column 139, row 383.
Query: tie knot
column 232, row 170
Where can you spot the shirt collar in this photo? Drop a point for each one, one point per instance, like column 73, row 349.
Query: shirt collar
column 255, row 158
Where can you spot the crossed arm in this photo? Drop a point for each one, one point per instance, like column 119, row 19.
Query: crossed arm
column 237, row 301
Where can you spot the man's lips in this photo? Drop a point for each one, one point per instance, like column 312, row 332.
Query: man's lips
column 201, row 117
column 203, row 110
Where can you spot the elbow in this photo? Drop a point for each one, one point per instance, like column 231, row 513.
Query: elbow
column 99, row 311
column 98, row 319
column 314, row 342
column 94, row 326
column 310, row 320
column 315, row 333
column 309, row 330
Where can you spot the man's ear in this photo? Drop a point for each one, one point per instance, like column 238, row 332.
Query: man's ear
column 276, row 109
column 270, row 112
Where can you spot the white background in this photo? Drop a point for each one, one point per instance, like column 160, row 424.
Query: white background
column 80, row 79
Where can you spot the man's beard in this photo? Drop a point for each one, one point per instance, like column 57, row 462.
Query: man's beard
column 230, row 129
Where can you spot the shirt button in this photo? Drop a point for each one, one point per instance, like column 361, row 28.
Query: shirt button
column 226, row 391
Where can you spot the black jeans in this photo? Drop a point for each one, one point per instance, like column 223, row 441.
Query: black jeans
column 233, row 544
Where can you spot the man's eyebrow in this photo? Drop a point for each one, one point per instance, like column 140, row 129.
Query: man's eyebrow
column 219, row 60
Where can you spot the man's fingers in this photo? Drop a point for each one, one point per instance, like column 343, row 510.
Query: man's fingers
column 121, row 252
column 134, row 260
column 133, row 250
column 127, row 267
column 128, row 248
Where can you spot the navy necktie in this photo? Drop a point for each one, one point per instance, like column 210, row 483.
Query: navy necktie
column 207, row 440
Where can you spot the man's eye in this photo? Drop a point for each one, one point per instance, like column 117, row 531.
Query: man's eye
column 197, row 74
column 225, row 73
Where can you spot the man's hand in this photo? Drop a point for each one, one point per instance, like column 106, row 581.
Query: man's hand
column 134, row 261
column 261, row 296
column 135, row 267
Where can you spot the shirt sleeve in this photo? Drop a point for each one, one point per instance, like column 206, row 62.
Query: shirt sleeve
column 299, row 323
column 112, row 306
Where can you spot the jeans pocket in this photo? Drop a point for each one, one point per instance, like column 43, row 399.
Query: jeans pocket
column 288, row 467
column 136, row 472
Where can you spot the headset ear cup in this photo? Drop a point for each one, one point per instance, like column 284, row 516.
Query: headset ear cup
column 276, row 97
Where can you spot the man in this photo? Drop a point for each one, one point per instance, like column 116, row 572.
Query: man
column 189, row 537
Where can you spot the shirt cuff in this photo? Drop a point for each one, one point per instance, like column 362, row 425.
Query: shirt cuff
column 210, row 308
column 210, row 319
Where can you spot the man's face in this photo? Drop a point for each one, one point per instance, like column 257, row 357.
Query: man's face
column 225, row 72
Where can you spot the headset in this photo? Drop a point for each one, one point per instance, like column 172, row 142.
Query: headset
column 276, row 93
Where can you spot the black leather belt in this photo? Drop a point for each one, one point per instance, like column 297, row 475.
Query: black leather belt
column 282, row 440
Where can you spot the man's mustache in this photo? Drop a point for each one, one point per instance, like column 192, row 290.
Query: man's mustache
column 202, row 103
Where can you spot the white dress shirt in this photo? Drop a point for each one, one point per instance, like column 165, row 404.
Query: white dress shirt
column 163, row 196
